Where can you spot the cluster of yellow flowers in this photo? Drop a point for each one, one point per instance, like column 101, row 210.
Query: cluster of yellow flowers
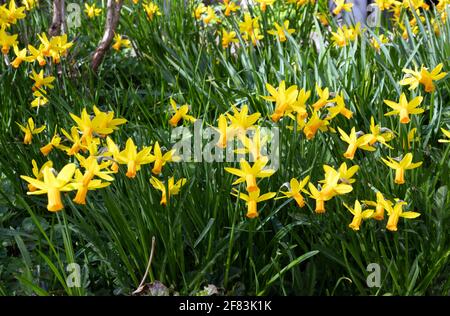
column 97, row 156
column 53, row 48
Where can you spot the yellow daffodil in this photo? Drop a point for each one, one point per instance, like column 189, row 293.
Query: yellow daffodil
column 379, row 206
column 282, row 97
column 36, row 55
column 378, row 42
column 160, row 160
column 105, row 123
column 151, row 9
column 229, row 6
column 324, row 95
column 199, row 10
column 7, row 41
column 447, row 134
column 30, row 130
column 210, row 16
column 252, row 199
column 12, row 13
column 55, row 142
column 264, row 3
column 249, row 174
column 314, row 124
column 280, row 31
column 345, row 173
column 224, row 131
column 404, row 108
column 120, row 42
column 355, row 142
column 41, row 81
column 75, row 138
column 82, row 187
column 395, row 213
column 40, row 98
column 424, row 77
column 38, row 173
column 379, row 134
column 173, row 188
column 358, row 215
column 299, row 106
column 91, row 10
column 53, row 185
column 339, row 108
column 401, row 166
column 228, row 38
column 295, row 191
column 180, row 114
column 253, row 145
column 341, row 5
column 386, row 4
column 133, row 159
column 241, row 121
column 21, row 56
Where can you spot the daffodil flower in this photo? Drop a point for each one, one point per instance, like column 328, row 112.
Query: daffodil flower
column 38, row 173
column 82, row 187
column 280, row 31
column 92, row 168
column 424, row 77
column 378, row 134
column 228, row 38
column 295, row 191
column 396, row 212
column 36, row 55
column 282, row 97
column 404, row 108
column 180, row 113
column 120, row 42
column 224, row 131
column 299, row 106
column 314, row 124
column 75, row 138
column 324, row 98
column 240, row 121
column 252, row 199
column 345, row 173
column 264, row 3
column 249, row 174
column 53, row 185
column 341, row 5
column 339, row 108
column 358, row 215
column 41, row 81
column 173, row 188
column 160, row 160
column 91, row 10
column 7, row 41
column 21, row 56
column 55, row 142
column 14, row 13
column 229, row 6
column 253, row 145
column 151, row 9
column 355, row 142
column 105, row 123
column 379, row 206
column 210, row 16
column 447, row 134
column 133, row 159
column 30, row 130
column 401, row 166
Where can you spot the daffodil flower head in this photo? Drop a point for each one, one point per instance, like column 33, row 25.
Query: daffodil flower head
column 401, row 166
column 53, row 185
column 249, row 174
column 252, row 199
column 358, row 215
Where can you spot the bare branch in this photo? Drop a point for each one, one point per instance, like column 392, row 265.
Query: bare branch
column 58, row 22
column 141, row 286
column 112, row 20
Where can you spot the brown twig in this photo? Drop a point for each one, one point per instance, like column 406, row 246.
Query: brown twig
column 112, row 20
column 58, row 26
column 141, row 286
